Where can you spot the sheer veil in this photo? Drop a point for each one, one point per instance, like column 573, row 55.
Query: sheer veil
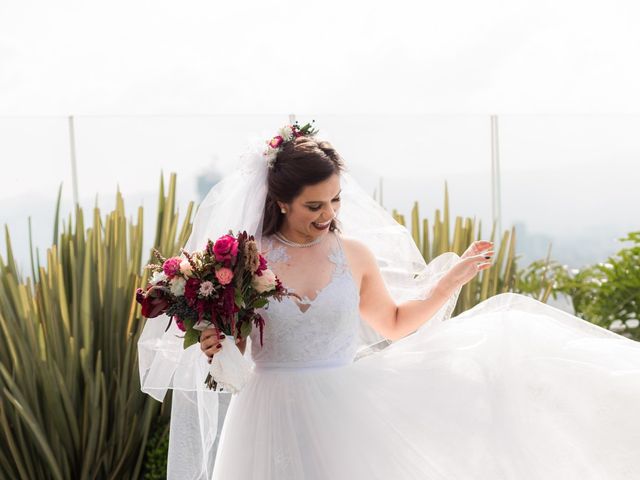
column 237, row 203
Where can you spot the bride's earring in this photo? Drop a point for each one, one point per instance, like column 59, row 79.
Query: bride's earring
column 283, row 210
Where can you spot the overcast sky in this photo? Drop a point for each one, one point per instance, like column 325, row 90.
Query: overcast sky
column 319, row 57
column 404, row 90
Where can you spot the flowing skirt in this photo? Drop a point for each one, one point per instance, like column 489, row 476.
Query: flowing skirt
column 510, row 389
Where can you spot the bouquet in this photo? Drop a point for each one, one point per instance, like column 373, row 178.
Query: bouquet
column 221, row 285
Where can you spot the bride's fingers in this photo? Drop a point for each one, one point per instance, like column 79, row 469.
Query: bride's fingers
column 211, row 332
column 210, row 342
column 479, row 258
column 484, row 263
column 208, row 332
column 480, row 244
column 210, row 352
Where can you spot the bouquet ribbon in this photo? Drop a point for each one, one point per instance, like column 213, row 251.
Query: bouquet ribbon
column 228, row 366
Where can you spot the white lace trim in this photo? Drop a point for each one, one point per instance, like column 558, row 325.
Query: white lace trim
column 327, row 331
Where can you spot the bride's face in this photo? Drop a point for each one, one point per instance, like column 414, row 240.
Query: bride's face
column 311, row 212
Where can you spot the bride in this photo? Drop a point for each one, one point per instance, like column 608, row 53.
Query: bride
column 365, row 374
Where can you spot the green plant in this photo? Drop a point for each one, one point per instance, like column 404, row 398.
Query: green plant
column 71, row 405
column 608, row 293
column 538, row 278
column 155, row 463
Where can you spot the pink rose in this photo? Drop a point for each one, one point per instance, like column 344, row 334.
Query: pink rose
column 171, row 266
column 276, row 141
column 225, row 248
column 224, row 275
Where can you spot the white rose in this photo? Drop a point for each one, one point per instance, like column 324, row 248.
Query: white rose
column 177, row 286
column 157, row 278
column 186, row 268
column 265, row 282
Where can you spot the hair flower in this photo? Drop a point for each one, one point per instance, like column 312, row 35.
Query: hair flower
column 286, row 134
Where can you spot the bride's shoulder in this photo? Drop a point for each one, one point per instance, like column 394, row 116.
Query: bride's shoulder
column 351, row 242
column 357, row 250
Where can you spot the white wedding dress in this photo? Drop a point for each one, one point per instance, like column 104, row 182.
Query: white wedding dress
column 510, row 389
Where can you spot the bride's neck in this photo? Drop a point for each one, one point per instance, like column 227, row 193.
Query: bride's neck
column 294, row 236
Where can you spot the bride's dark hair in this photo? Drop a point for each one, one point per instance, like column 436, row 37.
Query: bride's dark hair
column 301, row 162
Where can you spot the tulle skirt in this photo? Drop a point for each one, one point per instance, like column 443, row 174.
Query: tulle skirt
column 510, row 389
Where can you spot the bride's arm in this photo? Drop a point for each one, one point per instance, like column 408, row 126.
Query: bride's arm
column 412, row 314
column 378, row 308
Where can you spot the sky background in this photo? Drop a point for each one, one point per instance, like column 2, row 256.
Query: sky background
column 404, row 90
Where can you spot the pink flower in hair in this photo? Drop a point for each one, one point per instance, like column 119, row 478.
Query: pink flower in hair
column 276, row 141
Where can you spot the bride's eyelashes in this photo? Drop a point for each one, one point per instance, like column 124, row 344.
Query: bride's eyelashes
column 315, row 208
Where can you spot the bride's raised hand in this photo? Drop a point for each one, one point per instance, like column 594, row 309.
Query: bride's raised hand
column 468, row 267
column 476, row 247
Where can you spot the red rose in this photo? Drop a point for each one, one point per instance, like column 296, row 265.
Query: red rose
column 225, row 248
column 153, row 301
column 139, row 295
column 152, row 305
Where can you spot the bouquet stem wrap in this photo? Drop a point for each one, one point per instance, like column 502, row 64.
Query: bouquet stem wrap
column 229, row 369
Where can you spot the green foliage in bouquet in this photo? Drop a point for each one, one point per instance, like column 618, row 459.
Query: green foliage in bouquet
column 436, row 237
column 70, row 403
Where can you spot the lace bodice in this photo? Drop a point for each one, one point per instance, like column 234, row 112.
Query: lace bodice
column 319, row 331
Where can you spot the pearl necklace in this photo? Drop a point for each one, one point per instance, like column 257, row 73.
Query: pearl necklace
column 286, row 241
